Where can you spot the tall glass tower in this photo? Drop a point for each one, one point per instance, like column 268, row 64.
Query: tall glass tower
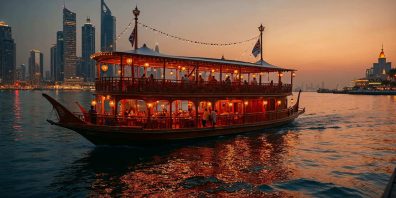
column 59, row 62
column 87, row 49
column 69, row 43
column 7, row 54
column 107, row 32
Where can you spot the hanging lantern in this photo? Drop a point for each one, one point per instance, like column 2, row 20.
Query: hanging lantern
column 104, row 68
column 235, row 71
column 294, row 74
column 265, row 102
column 171, row 72
column 146, row 64
column 279, row 102
column 246, row 102
column 93, row 103
column 129, row 61
column 111, row 103
column 213, row 70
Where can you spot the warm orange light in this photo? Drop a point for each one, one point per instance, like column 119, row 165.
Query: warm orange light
column 213, row 70
column 171, row 73
column 157, row 101
column 235, row 71
column 294, row 74
column 280, row 74
column 230, row 104
column 292, row 100
column 149, row 105
column 265, row 102
column 209, row 104
column 104, row 68
column 279, row 102
column 129, row 61
column 111, row 103
column 246, row 102
column 146, row 64
column 183, row 68
column 254, row 75
column 119, row 71
column 93, row 103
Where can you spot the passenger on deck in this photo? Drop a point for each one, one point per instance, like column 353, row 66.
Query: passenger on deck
column 205, row 117
column 213, row 116
column 92, row 114
column 254, row 81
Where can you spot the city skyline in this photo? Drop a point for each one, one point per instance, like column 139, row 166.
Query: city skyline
column 330, row 41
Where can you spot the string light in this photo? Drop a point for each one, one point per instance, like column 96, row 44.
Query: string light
column 147, row 27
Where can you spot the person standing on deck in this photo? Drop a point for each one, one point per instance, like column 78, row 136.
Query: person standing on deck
column 205, row 117
column 213, row 115
column 92, row 115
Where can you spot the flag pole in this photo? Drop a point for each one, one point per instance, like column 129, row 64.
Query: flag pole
column 136, row 12
column 261, row 29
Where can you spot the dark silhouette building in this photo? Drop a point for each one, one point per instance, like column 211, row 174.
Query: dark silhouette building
column 87, row 69
column 36, row 66
column 379, row 70
column 107, row 33
column 53, row 70
column 69, row 45
column 7, row 54
column 59, row 63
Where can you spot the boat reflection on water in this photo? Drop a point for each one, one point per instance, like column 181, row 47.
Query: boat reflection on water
column 239, row 165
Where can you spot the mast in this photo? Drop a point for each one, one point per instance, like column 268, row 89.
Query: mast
column 136, row 12
column 261, row 29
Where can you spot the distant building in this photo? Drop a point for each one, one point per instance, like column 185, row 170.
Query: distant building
column 87, row 49
column 20, row 73
column 53, row 70
column 59, row 61
column 36, row 67
column 47, row 76
column 379, row 70
column 69, row 45
column 7, row 54
column 107, row 33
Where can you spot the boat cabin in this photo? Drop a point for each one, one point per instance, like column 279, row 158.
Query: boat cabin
column 152, row 90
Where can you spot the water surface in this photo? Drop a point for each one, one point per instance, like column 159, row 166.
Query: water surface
column 344, row 146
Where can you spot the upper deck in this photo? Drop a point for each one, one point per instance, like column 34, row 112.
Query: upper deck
column 145, row 72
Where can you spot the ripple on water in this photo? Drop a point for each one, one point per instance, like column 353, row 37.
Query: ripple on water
column 318, row 189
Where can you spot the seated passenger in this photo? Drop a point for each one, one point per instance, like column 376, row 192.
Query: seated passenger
column 254, row 81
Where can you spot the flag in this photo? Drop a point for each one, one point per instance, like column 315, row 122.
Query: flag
column 132, row 37
column 256, row 49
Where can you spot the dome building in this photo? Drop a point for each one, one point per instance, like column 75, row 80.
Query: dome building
column 379, row 70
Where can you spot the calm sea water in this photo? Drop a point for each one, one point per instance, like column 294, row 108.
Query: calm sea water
column 344, row 146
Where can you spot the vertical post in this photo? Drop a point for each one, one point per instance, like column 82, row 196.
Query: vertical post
column 196, row 76
column 221, row 73
column 121, row 74
column 98, row 70
column 196, row 113
column 163, row 72
column 261, row 29
column 170, row 114
column 136, row 12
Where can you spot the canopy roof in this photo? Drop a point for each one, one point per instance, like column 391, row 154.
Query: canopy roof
column 144, row 55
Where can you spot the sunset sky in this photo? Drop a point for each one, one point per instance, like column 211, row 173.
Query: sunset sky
column 333, row 41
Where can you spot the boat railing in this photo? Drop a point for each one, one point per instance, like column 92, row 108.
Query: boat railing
column 179, row 122
column 127, row 85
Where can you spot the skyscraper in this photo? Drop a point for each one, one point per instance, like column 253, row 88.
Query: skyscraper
column 87, row 49
column 53, row 68
column 7, row 54
column 36, row 67
column 59, row 67
column 69, row 46
column 107, row 32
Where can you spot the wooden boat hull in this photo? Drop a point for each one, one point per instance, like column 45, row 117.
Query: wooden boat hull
column 119, row 135
column 111, row 135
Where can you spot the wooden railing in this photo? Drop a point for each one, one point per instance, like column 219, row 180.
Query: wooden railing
column 133, row 85
column 176, row 122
